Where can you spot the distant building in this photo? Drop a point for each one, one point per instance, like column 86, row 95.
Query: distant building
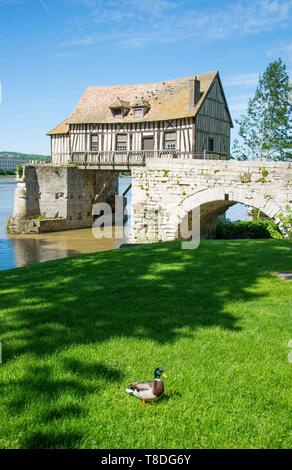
column 183, row 118
column 10, row 162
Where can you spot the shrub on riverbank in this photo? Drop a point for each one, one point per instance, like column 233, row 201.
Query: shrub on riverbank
column 4, row 172
column 242, row 229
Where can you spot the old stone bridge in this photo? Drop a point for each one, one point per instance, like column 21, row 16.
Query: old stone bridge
column 164, row 191
column 176, row 187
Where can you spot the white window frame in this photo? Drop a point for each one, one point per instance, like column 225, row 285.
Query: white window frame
column 138, row 112
column 121, row 146
column 94, row 144
column 169, row 144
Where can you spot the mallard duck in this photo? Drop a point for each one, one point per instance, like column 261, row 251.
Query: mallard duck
column 150, row 390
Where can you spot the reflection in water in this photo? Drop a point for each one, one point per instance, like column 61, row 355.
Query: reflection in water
column 7, row 259
column 20, row 250
column 7, row 187
column 36, row 248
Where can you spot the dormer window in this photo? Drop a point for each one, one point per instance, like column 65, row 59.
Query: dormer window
column 138, row 112
column 140, row 108
column 117, row 113
column 119, row 108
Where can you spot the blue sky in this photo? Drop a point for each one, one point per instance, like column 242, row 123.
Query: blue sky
column 51, row 50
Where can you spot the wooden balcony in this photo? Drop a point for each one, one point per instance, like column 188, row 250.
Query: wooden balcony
column 127, row 160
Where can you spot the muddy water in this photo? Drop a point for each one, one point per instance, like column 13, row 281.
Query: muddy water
column 20, row 250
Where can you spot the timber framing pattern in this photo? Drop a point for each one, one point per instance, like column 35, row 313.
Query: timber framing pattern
column 182, row 118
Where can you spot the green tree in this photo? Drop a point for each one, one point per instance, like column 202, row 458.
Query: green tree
column 265, row 131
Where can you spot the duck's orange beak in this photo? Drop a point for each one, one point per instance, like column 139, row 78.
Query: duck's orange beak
column 164, row 375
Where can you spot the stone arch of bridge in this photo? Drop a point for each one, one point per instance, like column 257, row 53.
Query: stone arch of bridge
column 218, row 200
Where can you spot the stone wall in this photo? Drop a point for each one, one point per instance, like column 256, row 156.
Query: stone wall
column 165, row 191
column 50, row 198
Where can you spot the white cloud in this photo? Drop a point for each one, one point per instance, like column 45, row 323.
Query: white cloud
column 136, row 23
column 238, row 104
column 241, row 80
column 284, row 49
column 45, row 7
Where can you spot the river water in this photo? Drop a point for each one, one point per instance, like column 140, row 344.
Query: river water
column 20, row 250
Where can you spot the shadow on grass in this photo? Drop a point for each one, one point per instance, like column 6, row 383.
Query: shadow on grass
column 41, row 379
column 92, row 370
column 58, row 412
column 39, row 394
column 170, row 395
column 158, row 293
column 53, row 440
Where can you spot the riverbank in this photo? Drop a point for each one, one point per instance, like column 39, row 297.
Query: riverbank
column 20, row 250
column 76, row 331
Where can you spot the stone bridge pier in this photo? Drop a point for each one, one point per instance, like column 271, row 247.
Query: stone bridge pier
column 165, row 191
column 51, row 198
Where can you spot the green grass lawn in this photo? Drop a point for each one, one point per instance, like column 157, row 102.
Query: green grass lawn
column 75, row 332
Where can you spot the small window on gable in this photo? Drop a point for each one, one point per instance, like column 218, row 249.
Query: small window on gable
column 94, row 143
column 211, row 144
column 170, row 140
column 121, row 142
column 138, row 112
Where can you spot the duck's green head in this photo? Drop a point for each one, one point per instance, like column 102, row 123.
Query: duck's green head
column 159, row 372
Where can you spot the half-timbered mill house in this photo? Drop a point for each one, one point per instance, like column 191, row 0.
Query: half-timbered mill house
column 121, row 125
column 173, row 136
